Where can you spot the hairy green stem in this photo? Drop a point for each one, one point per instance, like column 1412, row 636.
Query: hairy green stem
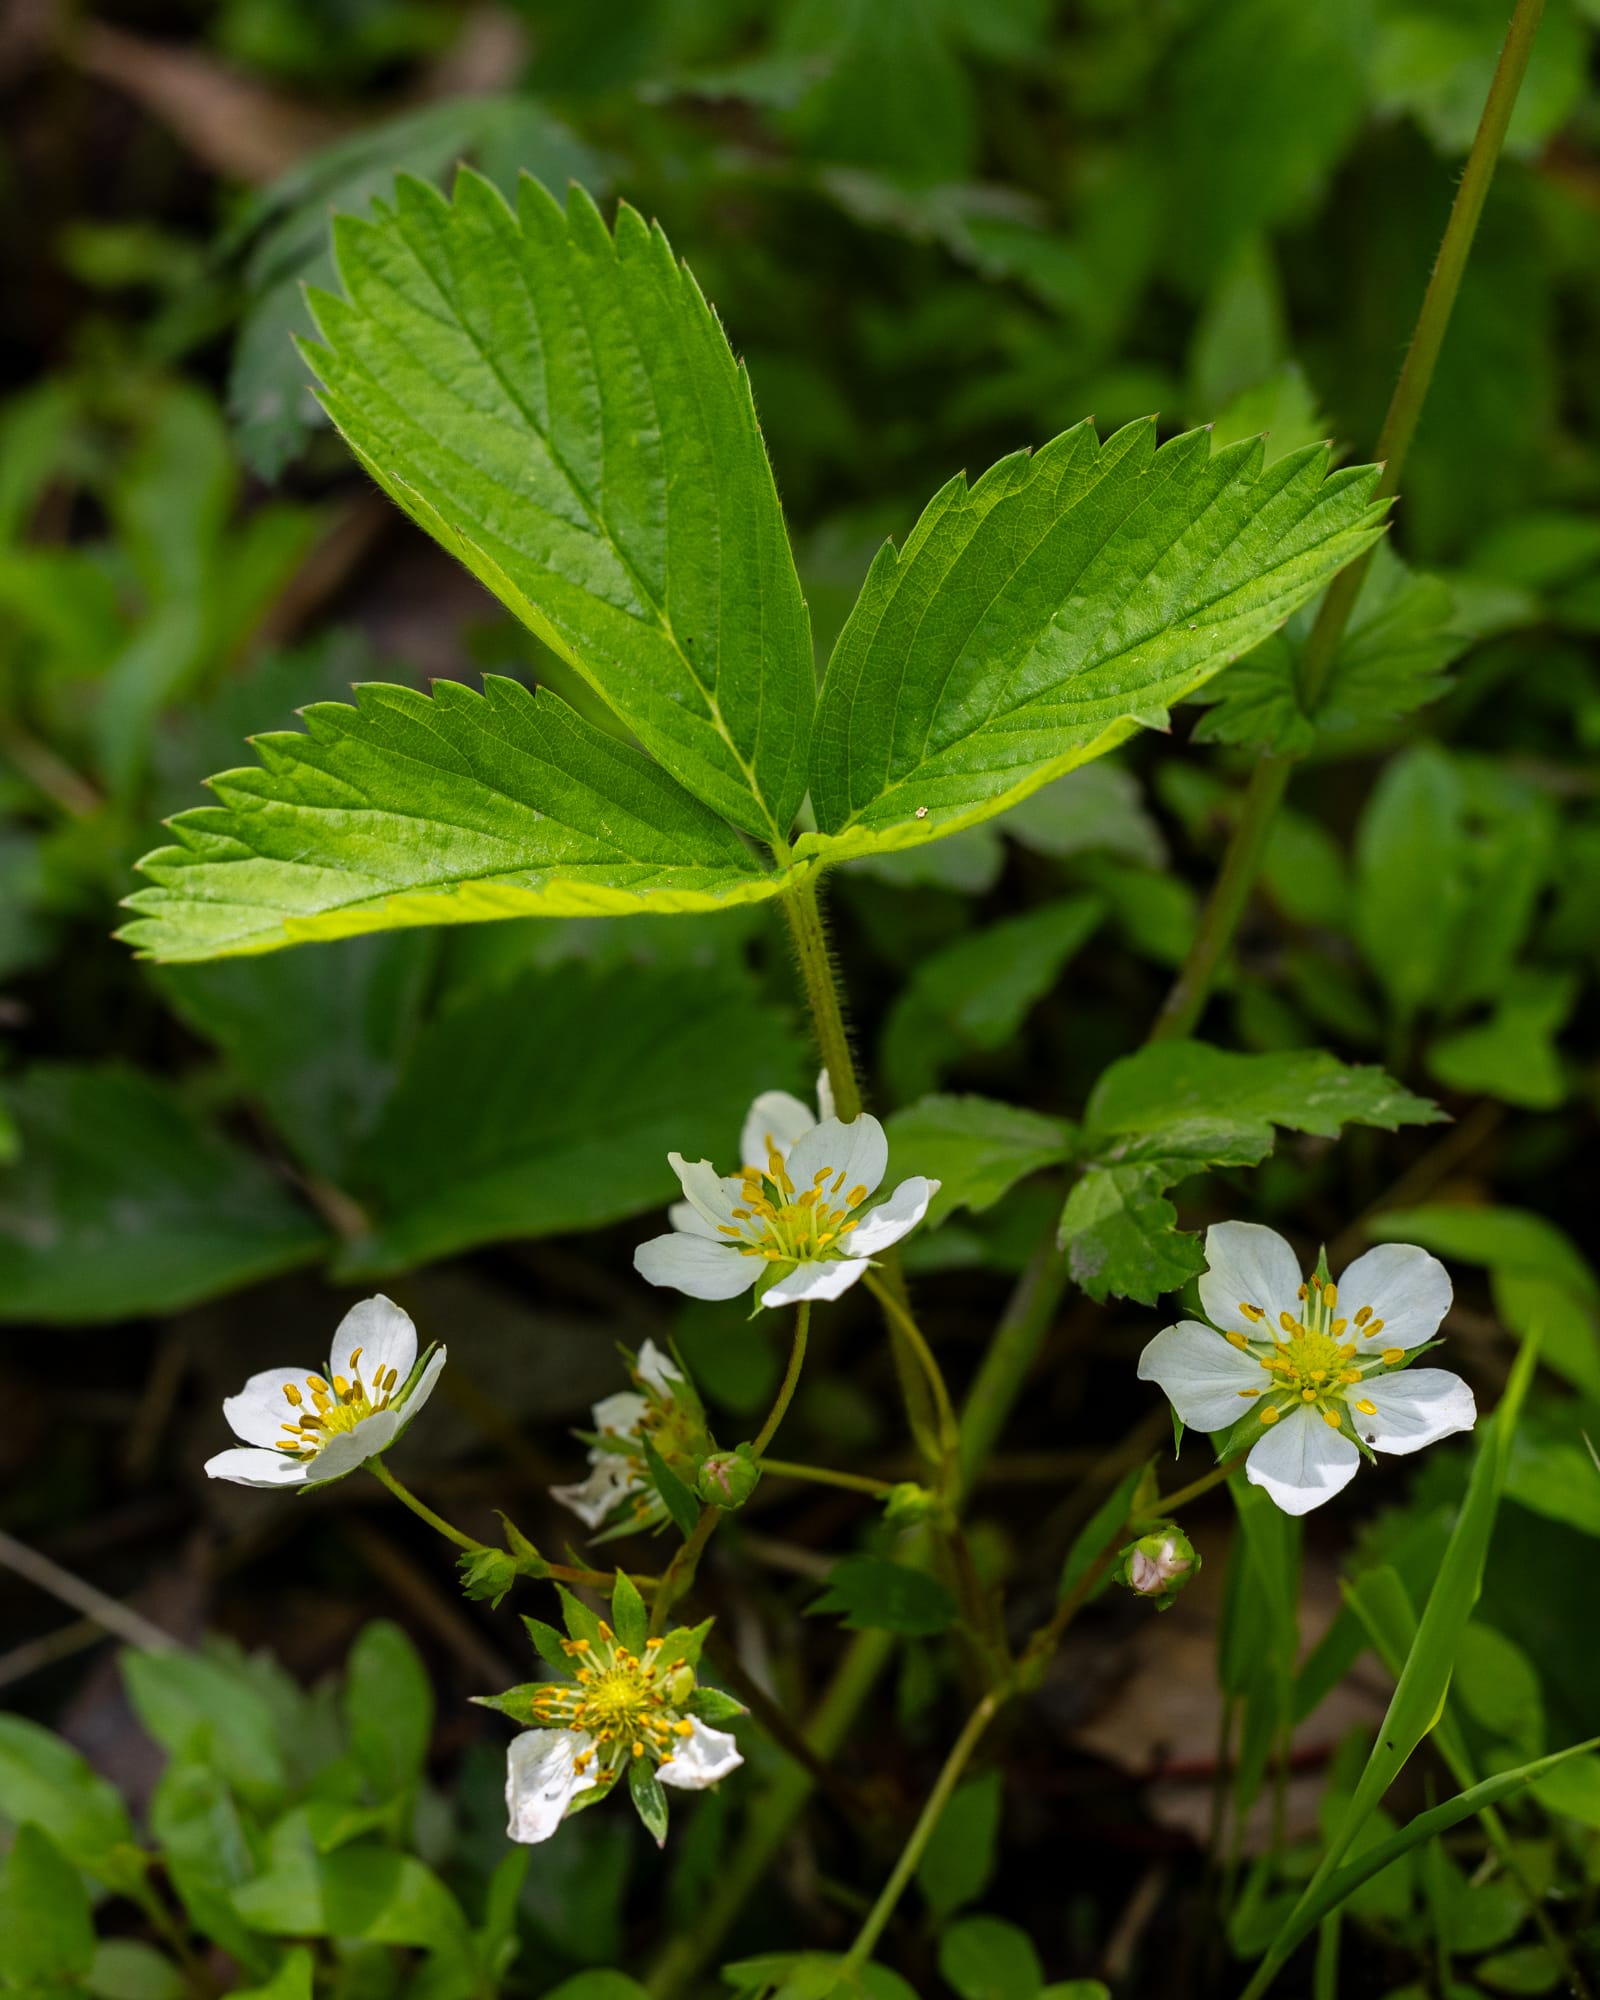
column 900, row 1317
column 1247, row 845
column 932, row 1812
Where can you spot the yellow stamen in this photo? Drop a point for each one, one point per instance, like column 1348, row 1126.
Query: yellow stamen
column 1367, row 1408
column 1393, row 1356
column 1330, row 1416
column 1363, row 1315
column 1270, row 1414
column 1237, row 1340
column 292, row 1394
column 1252, row 1313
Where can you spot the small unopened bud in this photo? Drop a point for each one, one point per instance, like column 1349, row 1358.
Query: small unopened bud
column 680, row 1685
column 728, row 1478
column 1159, row 1564
column 909, row 1502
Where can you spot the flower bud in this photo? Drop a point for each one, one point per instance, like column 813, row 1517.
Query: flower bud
column 909, row 1502
column 728, row 1478
column 1159, row 1564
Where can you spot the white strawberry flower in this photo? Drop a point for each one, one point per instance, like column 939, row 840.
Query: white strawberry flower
column 796, row 1215
column 1323, row 1365
column 618, row 1475
column 301, row 1428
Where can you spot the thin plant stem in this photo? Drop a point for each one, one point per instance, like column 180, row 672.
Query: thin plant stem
column 822, row 1475
column 680, row 1572
column 1269, row 780
column 791, row 1380
column 423, row 1512
column 1007, row 1360
column 593, row 1579
column 900, row 1315
column 960, row 1754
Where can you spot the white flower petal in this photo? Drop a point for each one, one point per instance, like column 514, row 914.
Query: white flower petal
column 1302, row 1461
column 684, row 1216
column 1249, row 1264
column 260, row 1412
column 657, row 1369
column 704, row 1757
column 610, row 1481
column 250, row 1466
column 1416, row 1407
column 816, row 1281
column 345, row 1450
column 891, row 1219
column 542, row 1781
column 775, row 1121
column 620, row 1413
column 1202, row 1375
column 1405, row 1287
column 858, row 1150
column 691, row 1264
column 713, row 1196
column 384, row 1334
column 826, row 1108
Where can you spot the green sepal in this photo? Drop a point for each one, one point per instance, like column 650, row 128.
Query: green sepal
column 516, row 1702
column 547, row 1643
column 714, row 1705
column 679, row 1502
column 649, row 1800
column 487, row 1573
column 683, row 1645
column 581, row 1622
column 628, row 1615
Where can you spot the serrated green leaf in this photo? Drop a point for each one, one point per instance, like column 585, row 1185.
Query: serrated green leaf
column 974, row 1147
column 125, row 1201
column 649, row 1799
column 1404, row 631
column 455, row 809
column 550, row 1101
column 1178, row 1107
column 1037, row 619
column 871, row 1593
column 560, row 409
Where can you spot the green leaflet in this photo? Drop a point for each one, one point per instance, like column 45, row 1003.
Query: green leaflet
column 1176, row 1108
column 560, row 409
column 1037, row 619
column 406, row 810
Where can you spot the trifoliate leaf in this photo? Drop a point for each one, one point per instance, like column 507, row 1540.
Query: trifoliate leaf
column 1404, row 631
column 870, row 1592
column 559, row 408
column 405, row 810
column 1175, row 1109
column 1035, row 620
column 975, row 1148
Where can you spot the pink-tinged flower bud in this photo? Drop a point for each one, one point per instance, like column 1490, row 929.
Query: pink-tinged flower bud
column 728, row 1478
column 1159, row 1564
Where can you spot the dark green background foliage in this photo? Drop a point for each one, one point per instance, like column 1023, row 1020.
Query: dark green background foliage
column 939, row 234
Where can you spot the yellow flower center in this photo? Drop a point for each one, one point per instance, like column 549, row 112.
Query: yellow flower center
column 1310, row 1362
column 790, row 1226
column 620, row 1699
column 323, row 1409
